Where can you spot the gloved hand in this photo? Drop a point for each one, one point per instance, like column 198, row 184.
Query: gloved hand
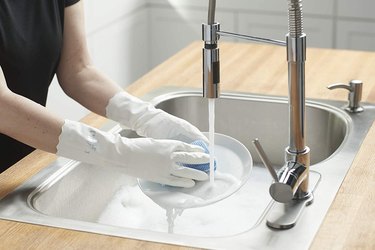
column 154, row 160
column 148, row 121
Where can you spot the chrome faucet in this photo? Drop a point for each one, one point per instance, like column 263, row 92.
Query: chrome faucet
column 211, row 62
column 291, row 182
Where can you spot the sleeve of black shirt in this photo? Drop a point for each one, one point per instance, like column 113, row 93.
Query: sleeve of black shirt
column 70, row 2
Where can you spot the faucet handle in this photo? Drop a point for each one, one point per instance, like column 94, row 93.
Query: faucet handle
column 355, row 94
column 265, row 159
column 287, row 182
column 279, row 191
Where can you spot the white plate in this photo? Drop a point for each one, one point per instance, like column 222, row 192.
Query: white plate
column 234, row 164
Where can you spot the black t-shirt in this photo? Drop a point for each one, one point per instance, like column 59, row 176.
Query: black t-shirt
column 31, row 34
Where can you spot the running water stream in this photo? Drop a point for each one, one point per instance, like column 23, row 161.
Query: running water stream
column 200, row 206
column 211, row 124
column 177, row 201
column 172, row 213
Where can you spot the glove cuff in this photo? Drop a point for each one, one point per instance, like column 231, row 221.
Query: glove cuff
column 130, row 111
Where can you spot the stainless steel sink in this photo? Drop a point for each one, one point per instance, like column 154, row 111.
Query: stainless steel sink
column 247, row 118
column 99, row 199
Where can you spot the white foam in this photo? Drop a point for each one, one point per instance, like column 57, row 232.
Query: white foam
column 130, row 208
column 201, row 210
column 202, row 194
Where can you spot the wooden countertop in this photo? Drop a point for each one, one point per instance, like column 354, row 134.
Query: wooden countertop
column 245, row 68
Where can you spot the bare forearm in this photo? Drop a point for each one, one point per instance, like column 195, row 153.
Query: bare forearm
column 29, row 122
column 78, row 78
column 90, row 88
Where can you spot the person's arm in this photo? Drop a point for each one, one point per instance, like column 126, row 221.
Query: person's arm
column 27, row 121
column 33, row 124
column 77, row 76
column 84, row 83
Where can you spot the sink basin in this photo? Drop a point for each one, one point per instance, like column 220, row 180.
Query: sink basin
column 245, row 118
column 103, row 200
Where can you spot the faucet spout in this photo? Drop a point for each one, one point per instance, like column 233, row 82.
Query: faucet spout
column 211, row 60
column 296, row 56
column 297, row 151
column 291, row 181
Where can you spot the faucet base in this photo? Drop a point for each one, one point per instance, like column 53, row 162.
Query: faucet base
column 285, row 215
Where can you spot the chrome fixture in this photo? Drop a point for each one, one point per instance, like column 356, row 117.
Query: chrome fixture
column 291, row 182
column 211, row 62
column 355, row 94
column 287, row 180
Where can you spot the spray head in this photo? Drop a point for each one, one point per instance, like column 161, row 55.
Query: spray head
column 211, row 62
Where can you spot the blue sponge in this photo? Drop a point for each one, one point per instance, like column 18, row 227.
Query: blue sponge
column 202, row 167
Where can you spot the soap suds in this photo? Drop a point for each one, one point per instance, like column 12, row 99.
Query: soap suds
column 205, row 210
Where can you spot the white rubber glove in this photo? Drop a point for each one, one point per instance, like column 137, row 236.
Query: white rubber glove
column 154, row 160
column 148, row 121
